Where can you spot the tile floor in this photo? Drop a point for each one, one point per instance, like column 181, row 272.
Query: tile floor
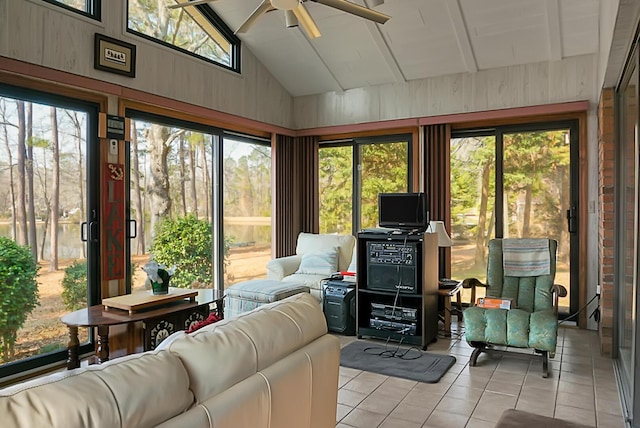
column 581, row 388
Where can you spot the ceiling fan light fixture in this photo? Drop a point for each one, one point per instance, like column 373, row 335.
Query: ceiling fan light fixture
column 285, row 4
column 290, row 19
column 376, row 3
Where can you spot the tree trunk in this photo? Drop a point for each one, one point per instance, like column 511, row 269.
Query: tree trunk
column 137, row 199
column 44, row 231
column 159, row 187
column 564, row 241
column 21, row 235
column 12, row 193
column 73, row 116
column 482, row 215
column 183, row 177
column 33, row 234
column 55, row 191
column 192, row 166
column 528, row 206
column 207, row 183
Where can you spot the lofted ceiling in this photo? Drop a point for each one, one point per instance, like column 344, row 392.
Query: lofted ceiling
column 423, row 38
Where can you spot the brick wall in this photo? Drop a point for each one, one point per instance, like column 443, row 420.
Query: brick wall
column 606, row 171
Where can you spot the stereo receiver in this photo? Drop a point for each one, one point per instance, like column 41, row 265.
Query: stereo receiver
column 393, row 326
column 398, row 313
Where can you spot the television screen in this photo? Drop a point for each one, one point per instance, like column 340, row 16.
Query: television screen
column 403, row 210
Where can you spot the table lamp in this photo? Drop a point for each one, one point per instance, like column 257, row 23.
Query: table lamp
column 443, row 237
column 443, row 241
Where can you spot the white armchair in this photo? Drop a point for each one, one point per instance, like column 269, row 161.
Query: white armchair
column 316, row 258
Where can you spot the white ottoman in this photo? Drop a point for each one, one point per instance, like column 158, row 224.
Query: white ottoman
column 247, row 295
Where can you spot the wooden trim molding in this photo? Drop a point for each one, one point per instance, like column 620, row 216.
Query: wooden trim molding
column 37, row 75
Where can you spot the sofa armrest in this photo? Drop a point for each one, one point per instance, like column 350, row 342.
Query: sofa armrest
column 278, row 268
column 557, row 291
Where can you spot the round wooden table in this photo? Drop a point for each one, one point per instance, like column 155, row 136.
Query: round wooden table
column 102, row 318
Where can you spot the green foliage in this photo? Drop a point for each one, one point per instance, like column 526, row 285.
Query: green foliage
column 18, row 292
column 384, row 169
column 470, row 158
column 336, row 178
column 74, row 284
column 185, row 242
column 535, row 184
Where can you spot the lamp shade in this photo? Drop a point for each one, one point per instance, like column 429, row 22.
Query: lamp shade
column 443, row 237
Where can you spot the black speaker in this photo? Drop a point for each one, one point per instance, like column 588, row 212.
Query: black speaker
column 391, row 277
column 339, row 304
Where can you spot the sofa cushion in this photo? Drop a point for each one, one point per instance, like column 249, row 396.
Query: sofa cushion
column 245, row 404
column 44, row 402
column 159, row 378
column 247, row 343
column 323, row 262
column 102, row 395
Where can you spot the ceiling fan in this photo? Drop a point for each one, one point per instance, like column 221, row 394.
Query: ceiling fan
column 296, row 13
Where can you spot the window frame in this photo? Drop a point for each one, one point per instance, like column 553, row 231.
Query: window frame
column 356, row 143
column 217, row 22
column 93, row 8
column 218, row 135
column 216, row 177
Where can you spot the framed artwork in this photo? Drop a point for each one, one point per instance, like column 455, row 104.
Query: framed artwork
column 114, row 56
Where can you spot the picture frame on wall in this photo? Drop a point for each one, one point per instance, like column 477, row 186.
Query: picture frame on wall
column 114, row 56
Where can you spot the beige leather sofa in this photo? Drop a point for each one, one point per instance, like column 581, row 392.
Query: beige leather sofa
column 272, row 367
column 292, row 268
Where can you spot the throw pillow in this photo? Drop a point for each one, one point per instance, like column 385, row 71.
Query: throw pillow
column 319, row 263
column 213, row 317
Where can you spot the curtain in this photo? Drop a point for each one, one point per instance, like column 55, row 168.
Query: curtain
column 296, row 191
column 437, row 180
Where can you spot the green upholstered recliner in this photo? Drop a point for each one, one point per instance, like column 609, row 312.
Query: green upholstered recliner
column 534, row 321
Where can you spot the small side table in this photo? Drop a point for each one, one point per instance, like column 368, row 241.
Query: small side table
column 447, row 293
column 98, row 316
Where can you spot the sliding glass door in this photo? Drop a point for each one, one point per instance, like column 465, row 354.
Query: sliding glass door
column 48, row 171
column 515, row 182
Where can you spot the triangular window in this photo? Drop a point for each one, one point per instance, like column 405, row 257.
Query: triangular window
column 195, row 30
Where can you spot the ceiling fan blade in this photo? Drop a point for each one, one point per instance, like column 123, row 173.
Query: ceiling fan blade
column 264, row 7
column 307, row 22
column 189, row 3
column 356, row 9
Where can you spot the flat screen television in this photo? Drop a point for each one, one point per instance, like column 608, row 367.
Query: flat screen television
column 403, row 210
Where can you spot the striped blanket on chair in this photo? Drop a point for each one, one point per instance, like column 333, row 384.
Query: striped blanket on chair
column 526, row 257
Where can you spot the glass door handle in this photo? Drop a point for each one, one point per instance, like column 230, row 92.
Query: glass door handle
column 572, row 219
column 133, row 229
column 89, row 231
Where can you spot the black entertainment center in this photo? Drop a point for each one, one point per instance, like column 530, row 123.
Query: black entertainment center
column 397, row 286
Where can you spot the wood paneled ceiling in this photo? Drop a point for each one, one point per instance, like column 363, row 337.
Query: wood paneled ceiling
column 423, row 38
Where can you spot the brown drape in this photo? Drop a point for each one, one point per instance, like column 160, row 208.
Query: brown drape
column 437, row 180
column 296, row 191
